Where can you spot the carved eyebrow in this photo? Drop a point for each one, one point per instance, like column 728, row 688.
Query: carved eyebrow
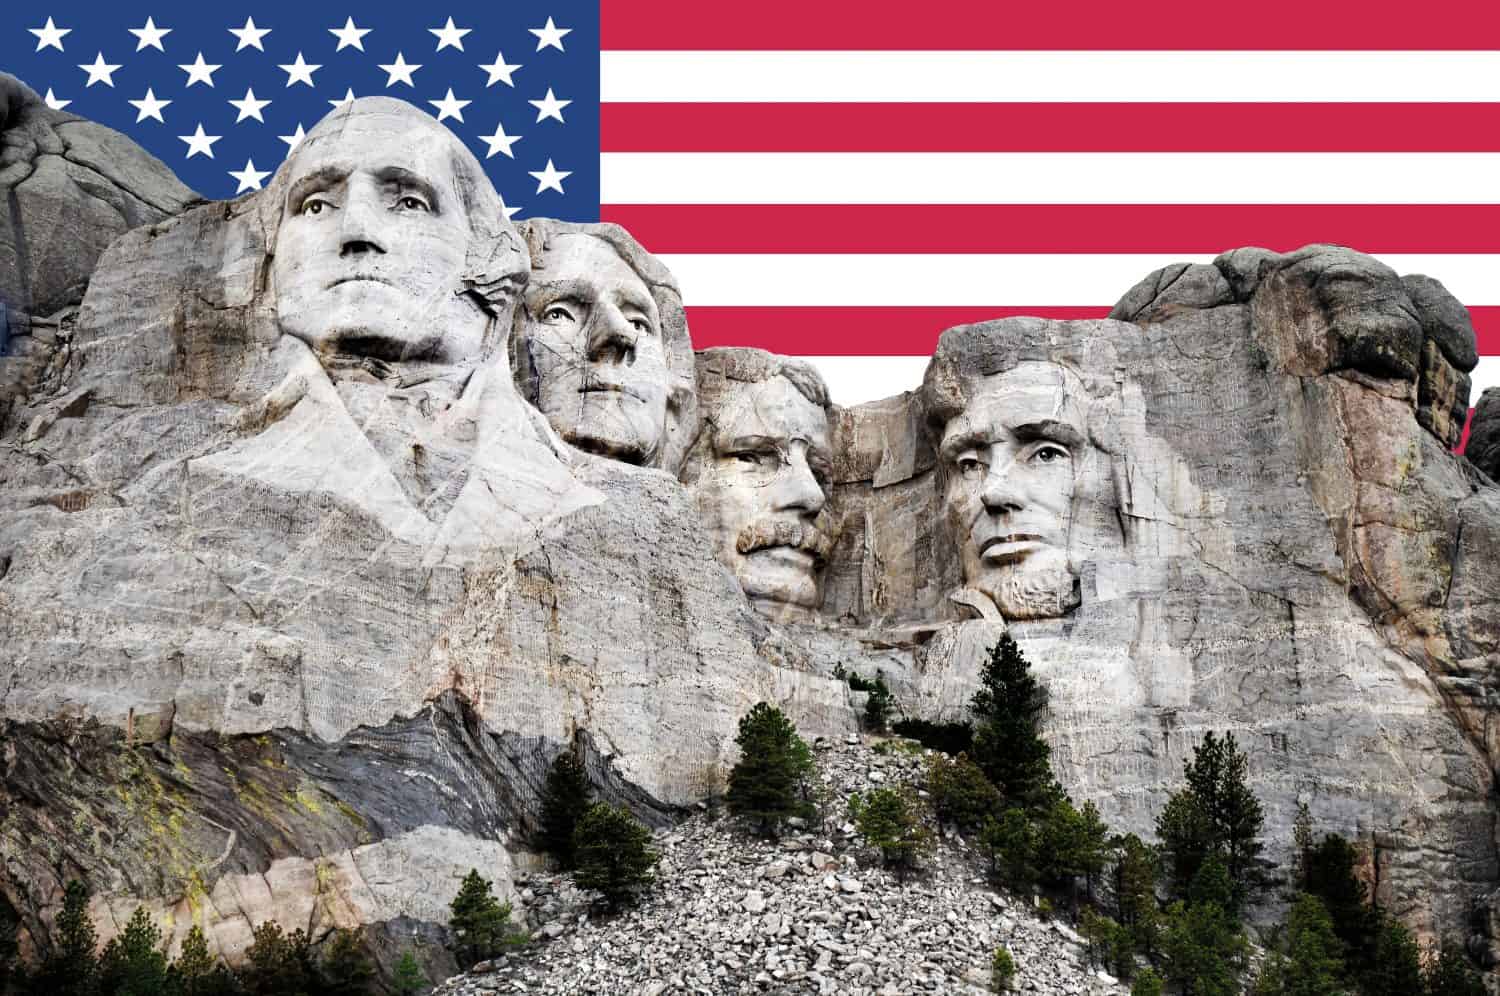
column 954, row 445
column 750, row 443
column 319, row 179
column 557, row 290
column 1049, row 429
column 406, row 178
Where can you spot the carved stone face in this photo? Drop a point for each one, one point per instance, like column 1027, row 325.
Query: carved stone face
column 595, row 343
column 373, row 240
column 1008, row 466
column 762, row 489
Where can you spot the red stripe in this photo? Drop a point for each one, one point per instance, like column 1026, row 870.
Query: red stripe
column 857, row 331
column 1049, row 127
column 995, row 24
column 1093, row 228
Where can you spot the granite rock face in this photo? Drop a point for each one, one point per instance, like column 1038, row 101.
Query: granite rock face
column 299, row 595
column 1483, row 449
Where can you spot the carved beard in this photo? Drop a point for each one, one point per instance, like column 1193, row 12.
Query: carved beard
column 1043, row 586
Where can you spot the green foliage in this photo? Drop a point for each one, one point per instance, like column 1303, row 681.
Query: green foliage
column 1203, row 945
column 952, row 739
column 1328, row 873
column 196, row 972
column 347, row 971
column 1008, row 745
column 279, row 964
column 1010, row 841
column 565, row 798
column 1309, row 960
column 613, row 851
column 1002, row 969
column 480, row 923
column 1215, row 814
column 961, row 794
column 71, row 969
column 1071, row 843
column 1450, row 974
column 1147, row 983
column 1136, row 869
column 767, row 785
column 891, row 819
column 134, row 963
column 1397, row 966
column 1109, row 943
column 878, row 704
column 408, row 979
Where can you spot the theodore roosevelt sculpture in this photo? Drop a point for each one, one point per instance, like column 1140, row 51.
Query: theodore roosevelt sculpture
column 601, row 344
column 760, row 473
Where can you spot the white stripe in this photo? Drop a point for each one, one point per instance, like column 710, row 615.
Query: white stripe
column 978, row 280
column 853, row 380
column 863, row 77
column 1049, row 177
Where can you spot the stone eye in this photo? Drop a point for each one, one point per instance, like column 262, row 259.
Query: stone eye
column 410, row 203
column 641, row 325
column 1049, row 453
column 749, row 458
column 970, row 466
column 556, row 313
column 315, row 205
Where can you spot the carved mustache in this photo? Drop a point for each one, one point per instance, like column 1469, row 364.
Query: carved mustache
column 809, row 537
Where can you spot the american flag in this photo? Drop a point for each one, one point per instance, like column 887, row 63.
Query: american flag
column 842, row 181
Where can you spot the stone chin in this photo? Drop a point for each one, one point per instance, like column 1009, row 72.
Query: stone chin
column 613, row 424
column 1041, row 586
column 780, row 576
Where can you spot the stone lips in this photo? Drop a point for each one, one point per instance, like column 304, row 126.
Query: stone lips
column 211, row 533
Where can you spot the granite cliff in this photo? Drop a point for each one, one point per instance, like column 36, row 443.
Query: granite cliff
column 298, row 598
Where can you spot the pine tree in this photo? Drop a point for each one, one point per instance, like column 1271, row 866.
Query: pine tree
column 408, row 979
column 196, row 972
column 1135, row 872
column 278, row 963
column 1010, row 841
column 1216, row 813
column 1008, row 710
column 1309, row 961
column 1204, row 945
column 1329, row 874
column 480, row 923
column 565, row 798
column 1450, row 974
column 766, row 784
column 891, row 820
column 134, row 963
column 1147, row 983
column 1397, row 966
column 961, row 794
column 613, row 851
column 878, row 704
column 71, row 969
column 346, row 969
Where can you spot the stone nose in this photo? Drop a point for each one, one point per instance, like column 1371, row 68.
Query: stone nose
column 359, row 226
column 797, row 488
column 611, row 337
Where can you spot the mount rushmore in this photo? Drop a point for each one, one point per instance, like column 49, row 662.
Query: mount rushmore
column 330, row 515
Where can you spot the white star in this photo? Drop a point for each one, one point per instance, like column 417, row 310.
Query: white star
column 250, row 107
column 293, row 140
column 149, row 107
column 249, row 35
column 549, row 106
column 549, row 35
column 550, row 178
column 50, row 35
column 400, row 71
column 199, row 71
column 349, row 35
column 500, row 142
column 100, row 71
column 250, row 178
column 299, row 71
column 55, row 103
column 450, row 108
column 499, row 71
column 150, row 36
column 199, row 142
column 449, row 35
column 347, row 98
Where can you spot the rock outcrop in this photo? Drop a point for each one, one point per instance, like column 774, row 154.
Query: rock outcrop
column 298, row 602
